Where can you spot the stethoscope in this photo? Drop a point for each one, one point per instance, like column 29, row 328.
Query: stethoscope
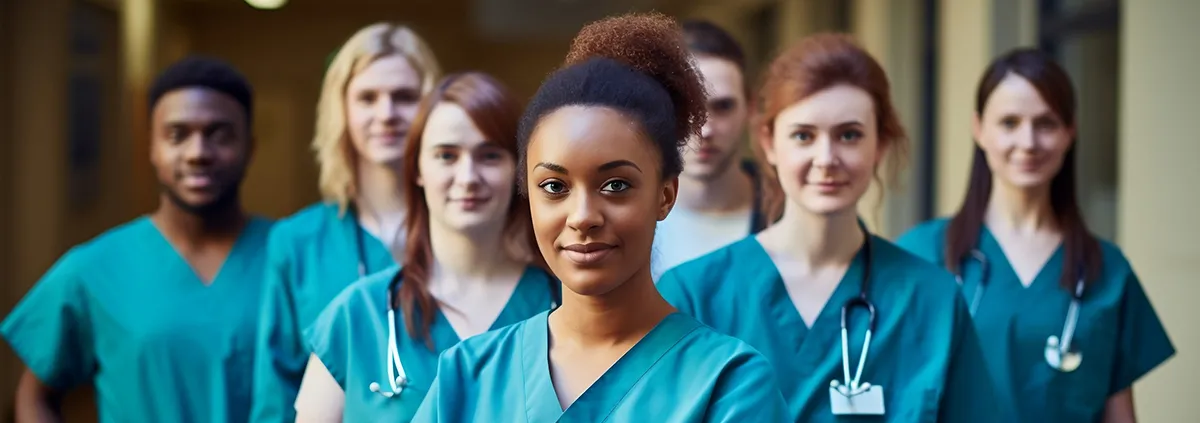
column 396, row 376
column 1058, row 352
column 851, row 387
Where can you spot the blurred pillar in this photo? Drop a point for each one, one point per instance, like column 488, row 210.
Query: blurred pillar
column 1157, row 219
column 971, row 33
column 36, row 91
column 139, row 40
column 891, row 31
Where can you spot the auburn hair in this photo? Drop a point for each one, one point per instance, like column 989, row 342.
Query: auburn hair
column 812, row 65
column 494, row 110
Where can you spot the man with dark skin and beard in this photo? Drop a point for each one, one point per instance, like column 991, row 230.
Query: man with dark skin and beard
column 158, row 314
column 718, row 190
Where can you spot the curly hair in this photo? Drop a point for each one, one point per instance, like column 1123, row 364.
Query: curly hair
column 637, row 64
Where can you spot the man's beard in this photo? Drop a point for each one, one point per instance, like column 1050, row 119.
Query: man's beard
column 227, row 198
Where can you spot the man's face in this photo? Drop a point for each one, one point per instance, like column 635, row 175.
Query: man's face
column 200, row 147
column 718, row 147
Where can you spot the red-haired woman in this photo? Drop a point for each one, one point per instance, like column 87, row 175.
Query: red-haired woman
column 852, row 323
column 1065, row 323
column 470, row 265
column 600, row 147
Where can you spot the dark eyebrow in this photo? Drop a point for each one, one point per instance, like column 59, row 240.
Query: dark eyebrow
column 552, row 167
column 205, row 126
column 618, row 163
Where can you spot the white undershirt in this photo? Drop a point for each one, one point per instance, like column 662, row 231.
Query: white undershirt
column 686, row 235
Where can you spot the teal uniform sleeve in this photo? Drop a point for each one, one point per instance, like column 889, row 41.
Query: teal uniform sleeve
column 670, row 287
column 923, row 241
column 1142, row 341
column 748, row 393
column 328, row 338
column 280, row 356
column 428, row 411
column 50, row 329
column 970, row 393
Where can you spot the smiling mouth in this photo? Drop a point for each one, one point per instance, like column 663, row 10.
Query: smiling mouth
column 589, row 254
column 197, row 180
column 472, row 203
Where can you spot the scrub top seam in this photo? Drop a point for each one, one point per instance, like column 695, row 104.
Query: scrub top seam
column 643, row 375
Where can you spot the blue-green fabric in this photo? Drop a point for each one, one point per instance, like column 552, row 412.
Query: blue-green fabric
column 127, row 314
column 350, row 337
column 924, row 352
column 681, row 371
column 311, row 257
column 1119, row 333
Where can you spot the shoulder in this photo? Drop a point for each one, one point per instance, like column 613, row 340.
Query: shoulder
column 899, row 264
column 926, row 239
column 367, row 292
column 108, row 248
column 714, row 349
column 488, row 348
column 304, row 224
column 1114, row 259
column 734, row 364
column 367, row 296
column 714, row 267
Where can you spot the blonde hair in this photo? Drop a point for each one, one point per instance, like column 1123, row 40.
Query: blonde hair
column 336, row 155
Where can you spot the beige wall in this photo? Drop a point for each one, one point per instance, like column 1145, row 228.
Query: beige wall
column 1157, row 216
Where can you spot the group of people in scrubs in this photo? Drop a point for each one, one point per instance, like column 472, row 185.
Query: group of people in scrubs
column 599, row 252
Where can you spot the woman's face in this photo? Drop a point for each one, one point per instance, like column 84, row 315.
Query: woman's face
column 595, row 194
column 381, row 102
column 825, row 149
column 468, row 180
column 1024, row 141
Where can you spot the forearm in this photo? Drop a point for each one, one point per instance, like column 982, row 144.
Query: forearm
column 35, row 402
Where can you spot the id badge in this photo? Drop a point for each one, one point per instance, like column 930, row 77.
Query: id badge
column 868, row 403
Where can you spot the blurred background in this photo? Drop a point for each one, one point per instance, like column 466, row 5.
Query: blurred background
column 73, row 127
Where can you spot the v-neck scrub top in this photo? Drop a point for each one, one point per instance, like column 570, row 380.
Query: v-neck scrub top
column 1119, row 334
column 128, row 314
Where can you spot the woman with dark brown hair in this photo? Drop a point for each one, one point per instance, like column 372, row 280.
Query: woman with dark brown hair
column 853, row 324
column 600, row 156
column 1065, row 323
column 470, row 265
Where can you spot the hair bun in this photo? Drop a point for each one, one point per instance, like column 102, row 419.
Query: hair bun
column 651, row 43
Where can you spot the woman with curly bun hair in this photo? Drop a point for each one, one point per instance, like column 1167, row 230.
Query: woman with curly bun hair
column 853, row 324
column 600, row 156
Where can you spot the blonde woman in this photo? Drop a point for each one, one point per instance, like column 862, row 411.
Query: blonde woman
column 368, row 101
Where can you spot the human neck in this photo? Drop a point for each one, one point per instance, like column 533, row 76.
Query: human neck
column 620, row 317
column 189, row 229
column 380, row 199
column 817, row 240
column 466, row 258
column 1018, row 210
column 732, row 190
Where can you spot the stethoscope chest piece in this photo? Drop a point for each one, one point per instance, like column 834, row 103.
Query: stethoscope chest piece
column 399, row 384
column 1061, row 359
column 1058, row 349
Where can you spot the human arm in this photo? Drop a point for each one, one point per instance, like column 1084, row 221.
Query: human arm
column 320, row 398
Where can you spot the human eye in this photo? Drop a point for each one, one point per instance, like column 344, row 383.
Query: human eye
column 616, row 186
column 553, row 187
column 804, row 136
column 850, row 136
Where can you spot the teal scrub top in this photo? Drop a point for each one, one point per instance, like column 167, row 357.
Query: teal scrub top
column 924, row 352
column 1118, row 333
column 127, row 314
column 311, row 257
column 681, row 371
column 350, row 337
